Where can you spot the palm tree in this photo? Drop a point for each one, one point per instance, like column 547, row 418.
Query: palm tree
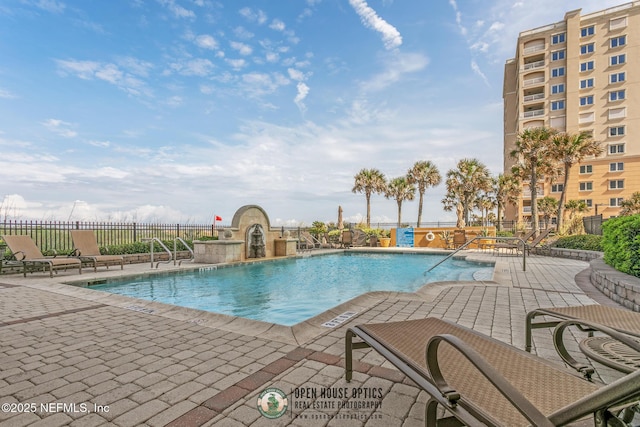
column 569, row 150
column 532, row 151
column 631, row 206
column 547, row 205
column 464, row 184
column 400, row 189
column 575, row 206
column 425, row 174
column 507, row 189
column 485, row 202
column 369, row 181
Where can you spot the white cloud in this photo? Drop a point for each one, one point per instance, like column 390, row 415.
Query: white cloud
column 60, row 127
column 236, row 64
column 277, row 25
column 206, row 41
column 254, row 16
column 108, row 72
column 303, row 91
column 476, row 69
column 242, row 48
column 52, row 6
column 390, row 36
column 5, row 94
column 396, row 66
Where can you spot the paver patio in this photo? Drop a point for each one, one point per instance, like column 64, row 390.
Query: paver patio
column 72, row 356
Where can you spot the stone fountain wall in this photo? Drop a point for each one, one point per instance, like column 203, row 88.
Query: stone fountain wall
column 235, row 242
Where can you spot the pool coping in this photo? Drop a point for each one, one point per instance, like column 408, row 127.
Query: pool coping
column 297, row 334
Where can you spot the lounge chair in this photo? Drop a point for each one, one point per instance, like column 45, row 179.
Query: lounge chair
column 479, row 380
column 619, row 319
column 25, row 250
column 514, row 245
column 347, row 239
column 543, row 235
column 459, row 238
column 85, row 247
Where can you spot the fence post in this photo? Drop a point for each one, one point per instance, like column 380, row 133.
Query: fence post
column 135, row 233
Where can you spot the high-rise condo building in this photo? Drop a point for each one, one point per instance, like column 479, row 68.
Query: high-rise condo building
column 580, row 74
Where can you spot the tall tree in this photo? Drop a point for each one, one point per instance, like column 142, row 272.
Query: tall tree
column 507, row 189
column 464, row 184
column 486, row 202
column 369, row 181
column 532, row 151
column 424, row 174
column 548, row 206
column 631, row 206
column 570, row 149
column 400, row 189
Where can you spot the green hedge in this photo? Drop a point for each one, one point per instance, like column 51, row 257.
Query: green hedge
column 621, row 243
column 585, row 242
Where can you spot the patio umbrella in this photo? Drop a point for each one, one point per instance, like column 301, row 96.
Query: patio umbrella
column 340, row 222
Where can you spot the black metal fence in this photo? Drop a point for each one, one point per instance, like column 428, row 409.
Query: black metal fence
column 50, row 235
column 593, row 224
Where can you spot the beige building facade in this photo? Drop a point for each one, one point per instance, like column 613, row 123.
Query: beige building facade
column 580, row 74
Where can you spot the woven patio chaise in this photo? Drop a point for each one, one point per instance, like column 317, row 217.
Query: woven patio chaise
column 620, row 320
column 85, row 247
column 479, row 380
column 24, row 249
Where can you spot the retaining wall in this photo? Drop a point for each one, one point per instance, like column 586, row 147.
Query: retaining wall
column 620, row 287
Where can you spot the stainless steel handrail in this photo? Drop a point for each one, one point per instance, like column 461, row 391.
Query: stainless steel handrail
column 175, row 250
column 155, row 239
column 524, row 249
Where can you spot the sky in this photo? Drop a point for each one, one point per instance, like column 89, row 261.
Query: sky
column 181, row 110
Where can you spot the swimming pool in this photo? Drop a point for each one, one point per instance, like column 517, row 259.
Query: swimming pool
column 289, row 291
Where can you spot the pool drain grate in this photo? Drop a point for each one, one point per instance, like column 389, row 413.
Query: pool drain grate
column 336, row 321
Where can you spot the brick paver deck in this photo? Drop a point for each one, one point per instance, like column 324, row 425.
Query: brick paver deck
column 72, row 356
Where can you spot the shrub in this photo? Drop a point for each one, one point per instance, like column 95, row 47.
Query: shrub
column 621, row 244
column 585, row 242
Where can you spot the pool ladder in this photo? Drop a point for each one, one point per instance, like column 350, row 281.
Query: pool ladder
column 172, row 255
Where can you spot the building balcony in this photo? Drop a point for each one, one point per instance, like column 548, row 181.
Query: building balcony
column 534, row 97
column 533, row 49
column 534, row 81
column 533, row 65
column 532, row 113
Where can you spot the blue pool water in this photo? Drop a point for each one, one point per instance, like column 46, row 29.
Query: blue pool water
column 290, row 291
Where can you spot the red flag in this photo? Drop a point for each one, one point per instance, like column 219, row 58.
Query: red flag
column 218, row 218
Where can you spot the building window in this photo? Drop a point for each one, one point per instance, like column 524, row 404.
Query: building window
column 615, row 201
column 586, row 186
column 618, row 59
column 588, row 202
column 586, row 100
column 557, row 55
column 587, row 48
column 616, row 148
column 617, row 77
column 557, row 105
column 618, row 41
column 616, row 167
column 586, row 83
column 616, row 95
column 616, row 184
column 618, row 113
column 586, row 168
column 587, row 31
column 586, row 66
column 618, row 23
column 557, row 88
column 558, row 38
column 557, row 188
column 587, row 117
column 557, row 72
column 616, row 131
